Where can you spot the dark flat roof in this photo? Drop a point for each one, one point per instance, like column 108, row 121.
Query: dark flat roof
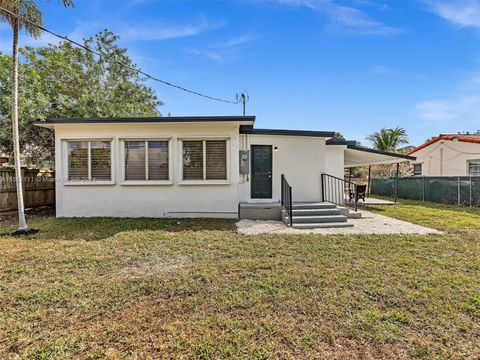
column 252, row 131
column 340, row 142
column 161, row 119
column 361, row 148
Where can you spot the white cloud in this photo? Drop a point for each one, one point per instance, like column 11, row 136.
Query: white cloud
column 465, row 108
column 381, row 70
column 212, row 55
column 223, row 52
column 344, row 18
column 167, row 31
column 463, row 13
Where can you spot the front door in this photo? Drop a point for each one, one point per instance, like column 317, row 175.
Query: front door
column 261, row 172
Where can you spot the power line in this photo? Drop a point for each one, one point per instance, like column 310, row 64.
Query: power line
column 65, row 38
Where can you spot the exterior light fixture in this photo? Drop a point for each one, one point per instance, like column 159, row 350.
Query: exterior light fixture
column 275, row 148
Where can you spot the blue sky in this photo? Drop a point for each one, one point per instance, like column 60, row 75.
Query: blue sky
column 352, row 66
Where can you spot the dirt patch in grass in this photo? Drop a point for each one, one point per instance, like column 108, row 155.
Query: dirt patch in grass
column 10, row 218
column 149, row 267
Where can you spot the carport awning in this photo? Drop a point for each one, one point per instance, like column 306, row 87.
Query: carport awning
column 362, row 156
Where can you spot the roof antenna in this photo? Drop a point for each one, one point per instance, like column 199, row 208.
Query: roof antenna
column 243, row 98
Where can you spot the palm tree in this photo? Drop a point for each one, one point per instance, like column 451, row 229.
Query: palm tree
column 21, row 15
column 388, row 139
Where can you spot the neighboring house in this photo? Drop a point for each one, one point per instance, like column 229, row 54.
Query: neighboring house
column 448, row 155
column 192, row 166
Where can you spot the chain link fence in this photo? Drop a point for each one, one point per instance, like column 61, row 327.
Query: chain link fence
column 454, row 190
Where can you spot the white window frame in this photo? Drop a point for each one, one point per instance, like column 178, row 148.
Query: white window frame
column 146, row 182
column 227, row 181
column 88, row 181
column 468, row 166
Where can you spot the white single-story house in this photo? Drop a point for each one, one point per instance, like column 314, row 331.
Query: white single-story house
column 448, row 155
column 196, row 167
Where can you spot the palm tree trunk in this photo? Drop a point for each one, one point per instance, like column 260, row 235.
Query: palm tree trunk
column 16, row 142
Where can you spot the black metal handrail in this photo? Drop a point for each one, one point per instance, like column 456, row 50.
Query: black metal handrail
column 339, row 191
column 287, row 198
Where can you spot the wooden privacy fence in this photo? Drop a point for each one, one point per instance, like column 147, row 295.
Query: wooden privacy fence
column 39, row 189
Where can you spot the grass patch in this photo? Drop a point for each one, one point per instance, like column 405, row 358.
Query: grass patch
column 438, row 216
column 157, row 288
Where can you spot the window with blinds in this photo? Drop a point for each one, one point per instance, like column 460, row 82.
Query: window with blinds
column 205, row 160
column 78, row 160
column 474, row 167
column 216, row 162
column 101, row 168
column 89, row 160
column 146, row 160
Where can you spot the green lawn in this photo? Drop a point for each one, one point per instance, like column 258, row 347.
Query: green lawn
column 438, row 216
column 141, row 289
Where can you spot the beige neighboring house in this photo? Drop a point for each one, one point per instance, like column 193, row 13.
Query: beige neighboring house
column 448, row 155
column 211, row 166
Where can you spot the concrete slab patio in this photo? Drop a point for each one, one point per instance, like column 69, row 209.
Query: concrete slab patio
column 373, row 201
column 369, row 223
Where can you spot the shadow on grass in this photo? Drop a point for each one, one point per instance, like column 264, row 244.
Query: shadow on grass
column 90, row 229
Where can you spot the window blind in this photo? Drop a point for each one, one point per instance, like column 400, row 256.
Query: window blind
column 100, row 160
column 158, row 160
column 77, row 160
column 216, row 164
column 134, row 160
column 193, row 160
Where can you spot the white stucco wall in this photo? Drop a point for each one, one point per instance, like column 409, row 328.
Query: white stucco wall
column 447, row 158
column 300, row 158
column 172, row 200
column 335, row 160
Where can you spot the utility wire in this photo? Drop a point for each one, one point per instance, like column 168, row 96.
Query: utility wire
column 63, row 37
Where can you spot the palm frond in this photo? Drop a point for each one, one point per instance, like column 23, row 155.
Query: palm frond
column 29, row 15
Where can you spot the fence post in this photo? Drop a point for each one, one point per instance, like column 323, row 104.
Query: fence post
column 458, row 191
column 471, row 203
column 423, row 188
column 369, row 185
column 396, row 182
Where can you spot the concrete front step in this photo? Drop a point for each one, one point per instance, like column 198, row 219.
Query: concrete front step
column 322, row 225
column 319, row 219
column 319, row 205
column 316, row 212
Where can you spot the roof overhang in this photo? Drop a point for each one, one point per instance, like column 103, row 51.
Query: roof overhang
column 362, row 156
column 249, row 130
column 336, row 142
column 241, row 120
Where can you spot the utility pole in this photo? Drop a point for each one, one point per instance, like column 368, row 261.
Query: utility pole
column 243, row 98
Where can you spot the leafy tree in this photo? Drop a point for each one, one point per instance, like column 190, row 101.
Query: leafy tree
column 63, row 81
column 388, row 139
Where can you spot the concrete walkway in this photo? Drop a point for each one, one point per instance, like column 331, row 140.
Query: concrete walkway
column 370, row 223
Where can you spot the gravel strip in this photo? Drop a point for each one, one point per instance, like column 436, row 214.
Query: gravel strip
column 370, row 223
